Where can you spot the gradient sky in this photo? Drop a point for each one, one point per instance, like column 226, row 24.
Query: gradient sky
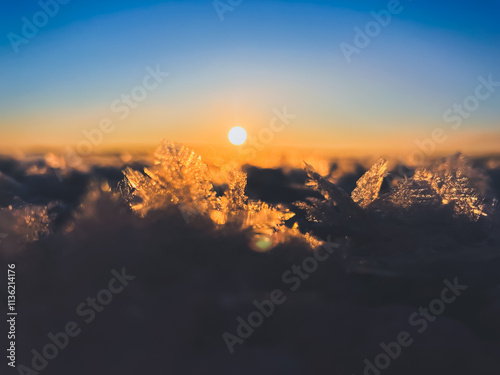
column 263, row 55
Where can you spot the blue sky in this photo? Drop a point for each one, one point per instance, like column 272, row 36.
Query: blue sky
column 264, row 55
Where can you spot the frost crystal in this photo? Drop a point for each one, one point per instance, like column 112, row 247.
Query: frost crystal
column 332, row 192
column 338, row 208
column 451, row 183
column 455, row 189
column 414, row 194
column 179, row 177
column 368, row 186
column 25, row 221
column 445, row 184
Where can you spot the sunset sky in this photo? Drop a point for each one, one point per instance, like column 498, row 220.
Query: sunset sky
column 262, row 57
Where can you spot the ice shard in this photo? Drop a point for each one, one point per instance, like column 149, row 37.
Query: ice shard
column 339, row 208
column 450, row 183
column 368, row 186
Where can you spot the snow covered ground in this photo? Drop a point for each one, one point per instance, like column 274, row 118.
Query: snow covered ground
column 202, row 250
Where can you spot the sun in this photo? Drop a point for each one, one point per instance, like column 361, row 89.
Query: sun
column 237, row 135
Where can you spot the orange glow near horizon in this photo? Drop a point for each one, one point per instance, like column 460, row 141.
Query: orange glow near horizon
column 144, row 130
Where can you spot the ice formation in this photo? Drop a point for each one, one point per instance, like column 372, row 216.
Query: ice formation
column 24, row 222
column 338, row 209
column 414, row 193
column 447, row 184
column 179, row 177
column 368, row 186
column 451, row 183
column 456, row 190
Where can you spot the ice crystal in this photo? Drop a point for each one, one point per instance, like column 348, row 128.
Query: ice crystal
column 450, row 183
column 332, row 193
column 338, row 208
column 24, row 221
column 179, row 177
column 456, row 190
column 368, row 186
column 412, row 193
column 265, row 218
column 234, row 200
